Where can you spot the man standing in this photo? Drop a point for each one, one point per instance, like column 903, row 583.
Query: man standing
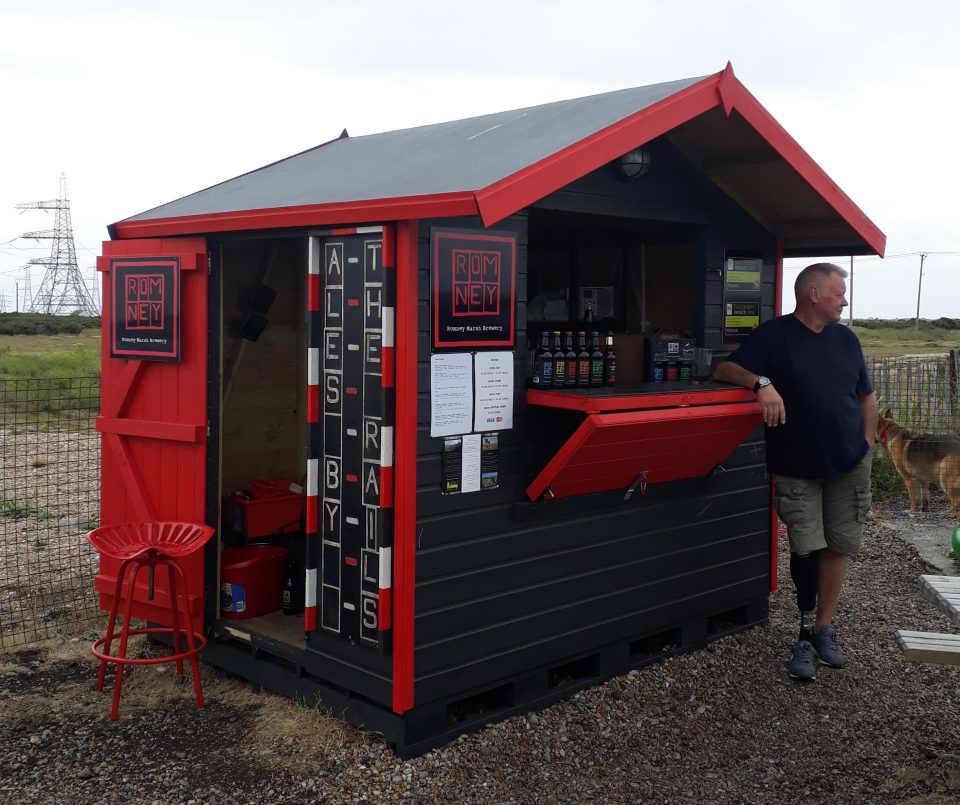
column 820, row 412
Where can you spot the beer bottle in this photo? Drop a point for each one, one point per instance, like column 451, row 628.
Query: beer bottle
column 543, row 365
column 609, row 363
column 292, row 591
column 588, row 316
column 596, row 360
column 559, row 362
column 570, row 358
column 583, row 360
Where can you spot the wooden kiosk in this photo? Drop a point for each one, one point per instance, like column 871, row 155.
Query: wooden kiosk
column 360, row 318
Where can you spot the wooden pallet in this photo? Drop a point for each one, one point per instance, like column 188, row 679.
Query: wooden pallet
column 943, row 649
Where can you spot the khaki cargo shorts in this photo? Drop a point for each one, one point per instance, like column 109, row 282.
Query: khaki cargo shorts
column 826, row 514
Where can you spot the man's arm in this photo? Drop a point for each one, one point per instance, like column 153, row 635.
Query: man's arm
column 770, row 400
column 868, row 407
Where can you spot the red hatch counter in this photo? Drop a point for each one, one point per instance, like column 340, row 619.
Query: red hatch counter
column 646, row 433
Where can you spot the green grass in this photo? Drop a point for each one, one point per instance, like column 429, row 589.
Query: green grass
column 82, row 360
column 885, row 482
column 39, row 324
column 884, row 338
column 49, row 380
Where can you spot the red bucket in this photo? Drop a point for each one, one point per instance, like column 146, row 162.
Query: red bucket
column 251, row 579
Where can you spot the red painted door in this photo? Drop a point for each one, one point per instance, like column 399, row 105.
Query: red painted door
column 153, row 421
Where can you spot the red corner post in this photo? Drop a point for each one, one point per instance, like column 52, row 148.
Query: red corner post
column 405, row 465
column 774, row 522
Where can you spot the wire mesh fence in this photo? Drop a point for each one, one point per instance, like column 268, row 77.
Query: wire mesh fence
column 920, row 390
column 921, row 393
column 49, row 498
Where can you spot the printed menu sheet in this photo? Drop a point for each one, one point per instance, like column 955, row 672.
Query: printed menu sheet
column 493, row 376
column 451, row 393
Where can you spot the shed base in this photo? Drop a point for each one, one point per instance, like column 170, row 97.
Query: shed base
column 281, row 669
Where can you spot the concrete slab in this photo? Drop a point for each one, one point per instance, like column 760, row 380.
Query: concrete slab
column 929, row 534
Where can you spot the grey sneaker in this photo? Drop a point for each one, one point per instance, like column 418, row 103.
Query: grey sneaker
column 803, row 664
column 825, row 644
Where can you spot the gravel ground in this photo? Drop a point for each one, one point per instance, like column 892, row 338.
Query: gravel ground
column 721, row 725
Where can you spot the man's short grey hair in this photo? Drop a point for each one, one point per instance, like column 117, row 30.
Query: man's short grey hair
column 810, row 275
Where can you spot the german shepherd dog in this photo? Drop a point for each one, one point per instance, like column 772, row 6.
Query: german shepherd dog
column 922, row 459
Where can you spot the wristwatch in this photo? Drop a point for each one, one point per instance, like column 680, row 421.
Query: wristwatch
column 761, row 382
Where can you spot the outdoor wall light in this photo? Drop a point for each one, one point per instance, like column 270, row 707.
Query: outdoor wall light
column 634, row 164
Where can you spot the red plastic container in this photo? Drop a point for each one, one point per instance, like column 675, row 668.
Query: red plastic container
column 262, row 517
column 251, row 578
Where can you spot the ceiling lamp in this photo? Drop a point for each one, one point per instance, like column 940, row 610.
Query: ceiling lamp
column 634, row 164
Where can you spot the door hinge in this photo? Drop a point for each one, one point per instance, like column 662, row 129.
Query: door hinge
column 208, row 428
column 209, row 263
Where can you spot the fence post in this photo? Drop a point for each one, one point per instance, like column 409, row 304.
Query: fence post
column 952, row 390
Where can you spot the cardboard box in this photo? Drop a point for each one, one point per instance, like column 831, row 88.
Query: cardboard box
column 668, row 345
column 628, row 347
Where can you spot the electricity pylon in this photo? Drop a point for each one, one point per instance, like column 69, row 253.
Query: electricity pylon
column 63, row 290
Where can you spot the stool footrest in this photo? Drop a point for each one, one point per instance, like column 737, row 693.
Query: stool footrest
column 199, row 640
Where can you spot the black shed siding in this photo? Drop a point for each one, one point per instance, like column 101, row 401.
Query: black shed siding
column 505, row 586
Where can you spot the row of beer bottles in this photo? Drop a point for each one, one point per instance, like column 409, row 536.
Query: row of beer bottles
column 559, row 365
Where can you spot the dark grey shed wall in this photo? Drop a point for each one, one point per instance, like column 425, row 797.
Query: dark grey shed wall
column 504, row 586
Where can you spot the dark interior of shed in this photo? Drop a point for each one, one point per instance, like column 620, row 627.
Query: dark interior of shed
column 639, row 276
column 262, row 445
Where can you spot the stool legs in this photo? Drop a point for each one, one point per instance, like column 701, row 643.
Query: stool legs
column 189, row 636
column 124, row 636
column 185, row 642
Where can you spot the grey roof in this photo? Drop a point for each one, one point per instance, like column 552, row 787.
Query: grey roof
column 463, row 155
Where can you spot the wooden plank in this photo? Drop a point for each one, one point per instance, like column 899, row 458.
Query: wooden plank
column 944, row 591
column 932, row 647
column 165, row 431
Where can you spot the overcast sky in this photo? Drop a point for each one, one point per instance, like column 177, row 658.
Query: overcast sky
column 139, row 103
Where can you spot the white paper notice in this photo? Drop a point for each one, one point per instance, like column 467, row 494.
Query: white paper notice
column 470, row 472
column 494, row 382
column 451, row 393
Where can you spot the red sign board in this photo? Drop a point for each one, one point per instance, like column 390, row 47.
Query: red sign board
column 145, row 313
column 474, row 278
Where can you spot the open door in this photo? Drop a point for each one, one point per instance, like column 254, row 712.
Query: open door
column 350, row 415
column 153, row 420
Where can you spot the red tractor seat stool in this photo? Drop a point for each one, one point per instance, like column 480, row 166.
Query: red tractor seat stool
column 141, row 546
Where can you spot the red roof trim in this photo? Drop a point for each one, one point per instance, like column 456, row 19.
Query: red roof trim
column 436, row 206
column 522, row 188
column 767, row 127
column 516, row 191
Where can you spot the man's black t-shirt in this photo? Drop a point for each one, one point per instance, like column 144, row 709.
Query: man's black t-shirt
column 821, row 377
